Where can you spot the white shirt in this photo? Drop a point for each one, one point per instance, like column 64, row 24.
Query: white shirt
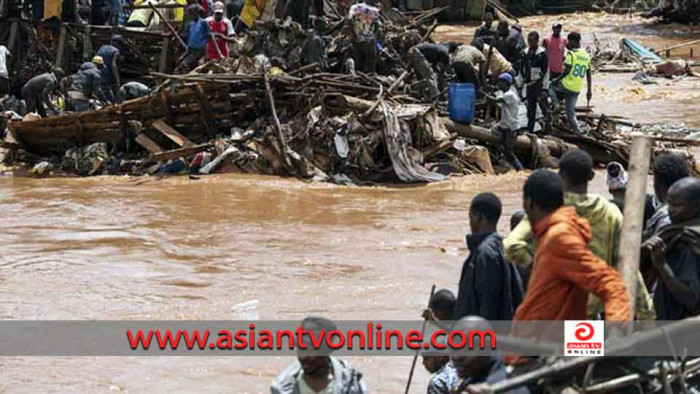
column 3, row 61
column 509, row 110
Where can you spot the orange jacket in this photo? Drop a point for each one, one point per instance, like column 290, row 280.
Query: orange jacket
column 565, row 271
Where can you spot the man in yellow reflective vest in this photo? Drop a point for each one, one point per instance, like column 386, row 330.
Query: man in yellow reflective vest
column 577, row 65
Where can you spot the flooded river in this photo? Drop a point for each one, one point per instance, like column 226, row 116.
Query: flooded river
column 241, row 247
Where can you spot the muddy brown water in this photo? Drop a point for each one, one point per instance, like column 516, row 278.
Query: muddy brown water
column 238, row 247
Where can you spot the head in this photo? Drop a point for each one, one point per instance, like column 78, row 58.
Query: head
column 443, row 304
column 58, row 73
column 668, row 169
column 484, row 212
column 478, row 43
column 518, row 28
column 219, row 9
column 542, row 195
column 98, row 61
column 515, row 220
column 470, row 365
column 533, row 40
column 616, row 179
column 505, row 81
column 574, row 39
column 315, row 365
column 452, row 46
column 503, row 28
column 684, row 200
column 488, row 20
column 556, row 29
column 576, row 170
column 117, row 41
column 433, row 364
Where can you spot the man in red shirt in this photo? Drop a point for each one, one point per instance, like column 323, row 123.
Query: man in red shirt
column 556, row 49
column 222, row 30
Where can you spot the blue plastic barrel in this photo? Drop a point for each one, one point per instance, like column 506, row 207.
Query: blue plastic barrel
column 462, row 99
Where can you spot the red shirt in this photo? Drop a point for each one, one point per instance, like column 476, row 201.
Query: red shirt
column 223, row 27
column 556, row 48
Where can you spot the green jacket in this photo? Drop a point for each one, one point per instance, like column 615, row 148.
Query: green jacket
column 606, row 222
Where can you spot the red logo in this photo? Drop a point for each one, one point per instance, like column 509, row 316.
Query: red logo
column 584, row 331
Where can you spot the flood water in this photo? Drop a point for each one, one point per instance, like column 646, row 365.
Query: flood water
column 235, row 247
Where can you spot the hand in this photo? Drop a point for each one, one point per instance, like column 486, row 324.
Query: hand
column 428, row 315
column 657, row 249
column 589, row 94
column 481, row 388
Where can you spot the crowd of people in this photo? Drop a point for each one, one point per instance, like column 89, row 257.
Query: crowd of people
column 559, row 262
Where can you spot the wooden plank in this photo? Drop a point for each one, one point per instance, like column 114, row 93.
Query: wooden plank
column 61, row 55
column 207, row 113
column 12, row 44
column 171, row 133
column 143, row 140
column 163, row 65
column 635, row 196
column 182, row 152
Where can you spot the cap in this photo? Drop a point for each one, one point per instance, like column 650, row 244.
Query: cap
column 219, row 7
column 506, row 77
column 556, row 24
column 98, row 60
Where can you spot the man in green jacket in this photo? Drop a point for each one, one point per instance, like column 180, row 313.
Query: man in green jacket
column 576, row 170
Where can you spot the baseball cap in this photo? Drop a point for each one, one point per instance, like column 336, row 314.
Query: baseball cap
column 506, row 77
column 556, row 24
column 219, row 7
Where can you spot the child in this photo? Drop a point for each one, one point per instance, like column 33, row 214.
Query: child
column 508, row 126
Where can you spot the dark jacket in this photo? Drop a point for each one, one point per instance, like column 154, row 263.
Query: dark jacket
column 534, row 67
column 40, row 86
column 86, row 80
column 108, row 54
column 346, row 380
column 510, row 47
column 489, row 285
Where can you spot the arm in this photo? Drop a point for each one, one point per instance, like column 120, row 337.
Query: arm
column 519, row 244
column 575, row 263
column 589, row 79
column 115, row 69
column 45, row 93
column 685, row 290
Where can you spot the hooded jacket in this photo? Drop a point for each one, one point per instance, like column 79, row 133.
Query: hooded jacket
column 346, row 380
column 605, row 220
column 565, row 271
column 86, row 80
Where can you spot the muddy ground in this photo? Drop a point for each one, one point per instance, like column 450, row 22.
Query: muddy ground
column 249, row 247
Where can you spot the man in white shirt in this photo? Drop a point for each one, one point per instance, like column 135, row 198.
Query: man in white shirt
column 5, row 55
column 508, row 125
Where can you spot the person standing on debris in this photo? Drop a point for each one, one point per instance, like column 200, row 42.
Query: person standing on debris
column 364, row 21
column 5, row 55
column 509, row 42
column 496, row 64
column 534, row 69
column 141, row 17
column 488, row 287
column 465, row 60
column 132, row 90
column 116, row 9
column 110, row 80
column 508, row 125
column 36, row 92
column 675, row 254
column 485, row 32
column 318, row 373
column 314, row 48
column 604, row 219
column 564, row 269
column 577, row 65
column 222, row 29
column 85, row 85
column 555, row 45
column 429, row 60
column 197, row 37
column 298, row 10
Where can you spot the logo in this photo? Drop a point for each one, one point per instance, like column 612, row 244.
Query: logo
column 584, row 338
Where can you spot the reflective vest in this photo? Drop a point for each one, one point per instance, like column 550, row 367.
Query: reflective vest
column 580, row 63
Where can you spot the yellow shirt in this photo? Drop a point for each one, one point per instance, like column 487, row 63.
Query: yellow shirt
column 580, row 63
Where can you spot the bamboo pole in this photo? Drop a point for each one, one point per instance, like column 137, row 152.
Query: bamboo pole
column 415, row 356
column 635, row 196
column 278, row 126
column 667, row 49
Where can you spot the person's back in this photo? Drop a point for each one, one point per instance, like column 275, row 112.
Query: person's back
column 132, row 90
column 363, row 17
column 434, row 53
column 39, row 83
column 107, row 53
column 509, row 110
column 86, row 80
column 580, row 62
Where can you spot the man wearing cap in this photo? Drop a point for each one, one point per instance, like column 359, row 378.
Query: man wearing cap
column 314, row 373
column 85, row 84
column 110, row 80
column 222, row 30
column 577, row 66
column 508, row 125
column 555, row 45
column 37, row 90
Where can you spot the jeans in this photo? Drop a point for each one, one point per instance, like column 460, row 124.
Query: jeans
column 534, row 97
column 570, row 99
column 552, row 88
column 509, row 137
column 107, row 92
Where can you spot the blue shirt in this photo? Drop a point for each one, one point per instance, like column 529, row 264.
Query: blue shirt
column 107, row 53
column 197, row 34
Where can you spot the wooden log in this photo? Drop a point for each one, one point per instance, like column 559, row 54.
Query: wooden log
column 182, row 152
column 523, row 144
column 284, row 149
column 668, row 49
column 150, row 145
column 164, row 62
column 635, row 196
column 171, row 133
